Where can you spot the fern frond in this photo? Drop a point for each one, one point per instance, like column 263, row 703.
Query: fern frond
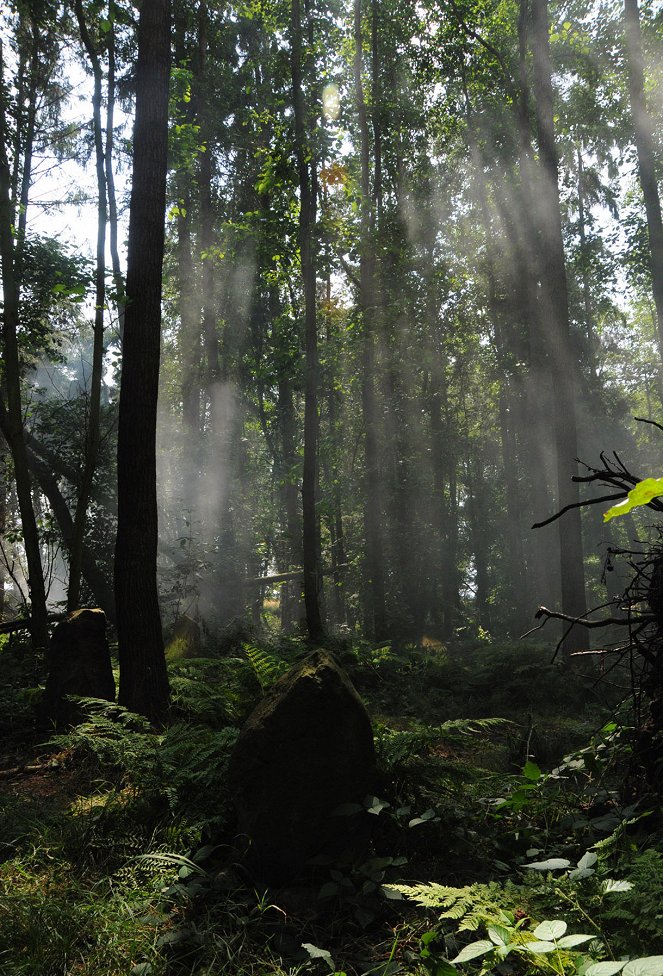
column 267, row 667
column 396, row 746
column 471, row 906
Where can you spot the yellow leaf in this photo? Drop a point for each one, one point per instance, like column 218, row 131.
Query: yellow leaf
column 641, row 494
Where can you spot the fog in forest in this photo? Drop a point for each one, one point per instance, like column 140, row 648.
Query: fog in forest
column 412, row 252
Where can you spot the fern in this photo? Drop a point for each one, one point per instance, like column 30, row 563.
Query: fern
column 472, row 906
column 397, row 747
column 267, row 667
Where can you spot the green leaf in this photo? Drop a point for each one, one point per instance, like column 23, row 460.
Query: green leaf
column 647, row 966
column 499, row 935
column 552, row 864
column 604, row 968
column 640, row 495
column 445, row 968
column 316, row 953
column 531, row 770
column 549, row 931
column 588, row 860
column 539, row 948
column 473, row 951
column 375, row 805
column 571, row 941
column 426, row 815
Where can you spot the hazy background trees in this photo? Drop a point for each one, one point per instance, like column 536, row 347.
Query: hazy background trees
column 410, row 275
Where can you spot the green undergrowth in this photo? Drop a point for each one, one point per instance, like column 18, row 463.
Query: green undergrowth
column 118, row 857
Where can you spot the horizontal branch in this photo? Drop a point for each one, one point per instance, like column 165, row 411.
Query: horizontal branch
column 25, row 623
column 589, row 624
column 582, row 504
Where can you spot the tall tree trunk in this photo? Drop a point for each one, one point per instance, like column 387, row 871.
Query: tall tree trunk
column 13, row 415
column 143, row 677
column 118, row 279
column 375, row 614
column 555, row 309
column 644, row 142
column 306, row 167
column 92, row 437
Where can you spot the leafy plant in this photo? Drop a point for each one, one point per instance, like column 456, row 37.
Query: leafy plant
column 268, row 667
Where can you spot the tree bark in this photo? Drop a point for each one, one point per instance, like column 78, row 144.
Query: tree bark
column 92, row 438
column 644, row 142
column 375, row 614
column 143, row 677
column 306, row 167
column 555, row 311
column 13, row 430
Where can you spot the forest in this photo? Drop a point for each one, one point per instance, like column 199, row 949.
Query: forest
column 331, row 500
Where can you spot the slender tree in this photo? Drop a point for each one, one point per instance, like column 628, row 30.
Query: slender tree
column 555, row 314
column 306, row 168
column 11, row 416
column 143, row 677
column 92, row 434
column 644, row 142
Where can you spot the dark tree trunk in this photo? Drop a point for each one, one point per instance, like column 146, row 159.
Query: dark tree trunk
column 13, row 415
column 143, row 677
column 644, row 142
column 92, row 437
column 555, row 311
column 375, row 613
column 306, row 167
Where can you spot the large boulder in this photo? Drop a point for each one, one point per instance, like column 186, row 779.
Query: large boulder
column 304, row 751
column 79, row 664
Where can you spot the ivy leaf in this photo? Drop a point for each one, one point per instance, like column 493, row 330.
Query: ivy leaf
column 640, row 495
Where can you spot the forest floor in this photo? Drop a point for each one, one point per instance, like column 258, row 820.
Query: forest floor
column 116, row 841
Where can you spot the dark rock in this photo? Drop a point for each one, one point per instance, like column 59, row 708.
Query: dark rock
column 79, row 664
column 184, row 639
column 305, row 750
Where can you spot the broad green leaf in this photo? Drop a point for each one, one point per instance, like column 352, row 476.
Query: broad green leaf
column 473, row 951
column 548, row 931
column 604, row 968
column 571, row 941
column 640, row 495
column 578, row 873
column 316, row 953
column 375, row 805
column 540, row 947
column 552, row 864
column 588, row 860
column 647, row 966
column 531, row 770
column 498, row 935
column 445, row 968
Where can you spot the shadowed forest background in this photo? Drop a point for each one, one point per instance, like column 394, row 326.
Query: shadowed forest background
column 333, row 325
